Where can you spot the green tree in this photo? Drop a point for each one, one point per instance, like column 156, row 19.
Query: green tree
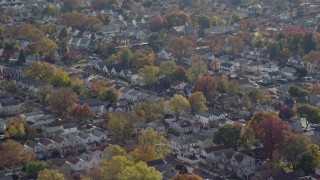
column 197, row 70
column 11, row 87
column 293, row 148
column 43, row 95
column 197, row 102
column 167, row 68
column 140, row 171
column 110, row 94
column 60, row 78
column 22, row 58
column 202, row 21
column 151, row 146
column 310, row 159
column 178, row 104
column 310, row 113
column 295, row 91
column 227, row 135
column 49, row 174
column 150, row 75
column 112, row 169
column 255, row 95
column 64, row 32
column 309, row 43
column 114, row 150
column 34, row 167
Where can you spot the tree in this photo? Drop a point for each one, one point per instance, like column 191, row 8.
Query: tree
column 179, row 47
column 60, row 78
column 197, row 70
column 42, row 47
column 110, row 94
column 309, row 43
column 71, row 5
column 255, row 95
column 227, row 135
column 120, row 126
column 140, row 171
column 22, row 58
column 310, row 113
column 310, row 159
column 49, row 174
column 142, row 58
column 168, row 68
column 313, row 57
column 260, row 116
column 41, row 70
column 82, row 112
column 34, row 167
column 187, row 177
column 156, row 23
column 64, row 32
column 293, row 148
column 271, row 133
column 15, row 127
column 149, row 111
column 203, row 21
column 50, row 10
column 208, row 86
column 286, row 112
column 61, row 101
column 176, row 18
column 295, row 91
column 197, row 102
column 43, row 95
column 178, row 104
column 114, row 150
column 13, row 154
column 150, row 75
column 235, row 44
column 151, row 146
column 112, row 169
column 11, row 87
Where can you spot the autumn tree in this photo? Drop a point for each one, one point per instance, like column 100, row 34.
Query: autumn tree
column 293, row 148
column 202, row 21
column 295, row 91
column 150, row 75
column 180, row 47
column 313, row 57
column 227, row 135
column 156, row 23
column 11, row 87
column 41, row 70
column 49, row 174
column 140, row 171
column 43, row 95
column 121, row 126
column 109, row 94
column 260, row 116
column 114, row 150
column 271, row 133
column 197, row 102
column 310, row 113
column 151, row 146
column 81, row 21
column 178, row 104
column 61, row 101
column 50, row 10
column 235, row 44
column 13, row 155
column 208, row 86
column 197, row 70
column 149, row 111
column 82, row 112
column 42, row 47
column 34, row 167
column 60, row 78
column 97, row 86
column 15, row 127
column 142, row 58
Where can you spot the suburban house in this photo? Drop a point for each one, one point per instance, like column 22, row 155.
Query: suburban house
column 10, row 106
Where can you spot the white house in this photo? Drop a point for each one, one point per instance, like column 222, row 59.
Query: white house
column 76, row 163
column 270, row 67
column 69, row 128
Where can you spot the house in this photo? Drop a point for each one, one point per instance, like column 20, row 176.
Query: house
column 314, row 100
column 295, row 61
column 165, row 169
column 2, row 126
column 156, row 126
column 242, row 165
column 99, row 136
column 254, row 66
column 90, row 160
column 289, row 73
column 133, row 96
column 48, row 145
column 10, row 106
column 36, row 147
column 272, row 76
column 268, row 174
column 76, row 164
column 204, row 117
column 62, row 144
column 227, row 68
column 269, row 67
column 30, row 86
column 216, row 114
column 69, row 128
column 98, row 107
column 10, row 73
column 183, row 146
column 165, row 54
column 62, row 166
column 31, row 59
column 181, row 126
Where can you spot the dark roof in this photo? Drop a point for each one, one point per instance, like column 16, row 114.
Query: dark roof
column 69, row 125
column 31, row 143
column 9, row 102
column 57, row 139
column 215, row 148
column 72, row 159
column 289, row 176
column 156, row 162
column 203, row 114
column 226, row 64
column 58, row 162
column 45, row 141
column 214, row 112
